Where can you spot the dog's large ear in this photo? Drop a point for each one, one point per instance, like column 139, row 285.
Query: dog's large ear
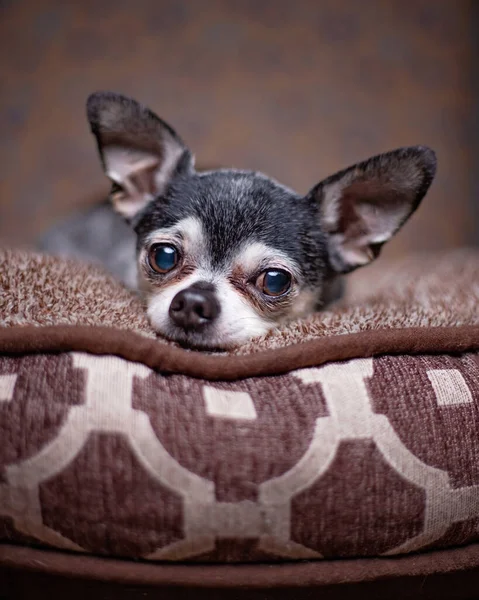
column 363, row 206
column 140, row 153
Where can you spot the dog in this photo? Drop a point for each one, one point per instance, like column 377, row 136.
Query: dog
column 226, row 255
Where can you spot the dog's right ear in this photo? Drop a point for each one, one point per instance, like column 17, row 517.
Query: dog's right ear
column 363, row 206
column 140, row 153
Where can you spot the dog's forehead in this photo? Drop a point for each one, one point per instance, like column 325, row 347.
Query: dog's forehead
column 231, row 194
column 234, row 208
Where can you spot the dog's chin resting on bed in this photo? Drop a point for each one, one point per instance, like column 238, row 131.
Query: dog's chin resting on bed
column 224, row 256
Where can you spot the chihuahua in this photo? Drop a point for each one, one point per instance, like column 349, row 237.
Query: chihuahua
column 223, row 256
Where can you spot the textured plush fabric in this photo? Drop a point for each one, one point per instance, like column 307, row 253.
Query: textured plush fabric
column 36, row 289
column 421, row 291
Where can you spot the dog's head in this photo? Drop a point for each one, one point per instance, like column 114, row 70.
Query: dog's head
column 224, row 256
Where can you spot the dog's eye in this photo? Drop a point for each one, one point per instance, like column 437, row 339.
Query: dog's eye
column 274, row 282
column 163, row 258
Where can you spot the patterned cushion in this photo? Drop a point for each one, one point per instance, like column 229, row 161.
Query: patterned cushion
column 363, row 444
column 358, row 458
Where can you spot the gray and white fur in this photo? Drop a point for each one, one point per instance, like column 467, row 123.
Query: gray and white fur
column 226, row 255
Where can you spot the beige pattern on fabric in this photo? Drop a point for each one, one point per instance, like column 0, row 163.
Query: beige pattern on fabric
column 108, row 388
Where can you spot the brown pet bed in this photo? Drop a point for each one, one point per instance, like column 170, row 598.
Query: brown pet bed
column 353, row 435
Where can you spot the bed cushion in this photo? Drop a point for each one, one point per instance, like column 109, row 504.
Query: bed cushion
column 353, row 434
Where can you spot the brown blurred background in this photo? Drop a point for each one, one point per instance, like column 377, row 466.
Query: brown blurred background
column 298, row 89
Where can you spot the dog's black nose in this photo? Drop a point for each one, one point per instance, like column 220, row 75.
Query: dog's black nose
column 195, row 307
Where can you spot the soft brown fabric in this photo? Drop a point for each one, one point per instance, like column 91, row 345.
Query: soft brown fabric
column 371, row 457
column 422, row 291
column 36, row 289
column 170, row 359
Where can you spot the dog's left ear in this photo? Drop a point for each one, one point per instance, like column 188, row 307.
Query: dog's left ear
column 363, row 206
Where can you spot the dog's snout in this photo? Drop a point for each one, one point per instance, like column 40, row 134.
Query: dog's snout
column 194, row 307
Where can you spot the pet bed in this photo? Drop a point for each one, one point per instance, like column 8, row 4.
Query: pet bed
column 352, row 435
